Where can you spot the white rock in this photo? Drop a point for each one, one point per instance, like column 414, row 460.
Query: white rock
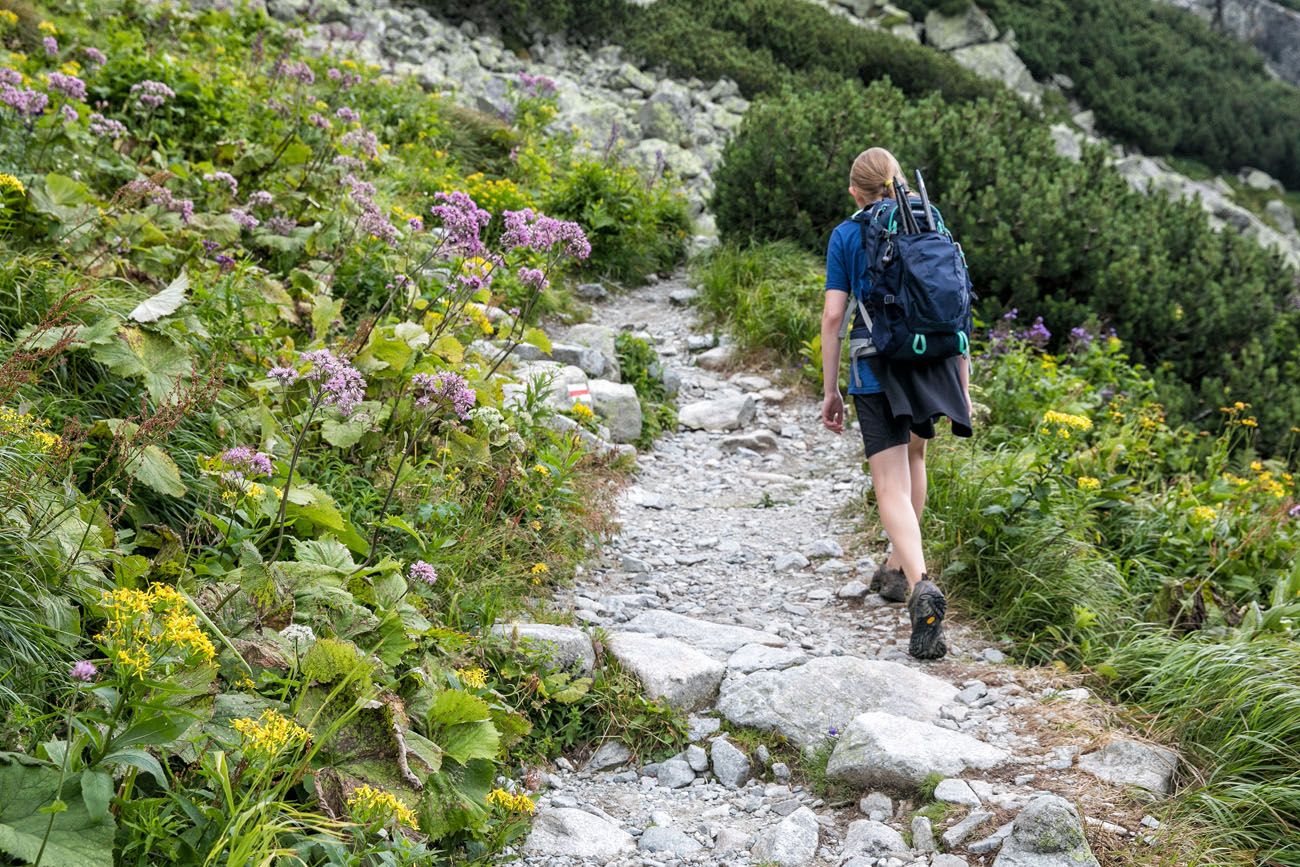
column 881, row 749
column 957, row 834
column 719, row 414
column 697, row 758
column 922, row 834
column 824, row 548
column 792, row 842
column 948, row 861
column 713, row 638
column 760, row 657
column 610, row 754
column 675, row 774
column 803, row 702
column 668, row 669
column 1126, row 762
column 872, row 839
column 578, row 834
column 671, row 841
column 790, row 560
column 955, row 791
column 946, row 32
column 761, row 441
column 1046, row 833
column 717, row 358
column 619, row 406
column 565, row 646
column 730, row 765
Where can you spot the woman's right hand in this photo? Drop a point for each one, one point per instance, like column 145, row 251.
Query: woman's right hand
column 833, row 413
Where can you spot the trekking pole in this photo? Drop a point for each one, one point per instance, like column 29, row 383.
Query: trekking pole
column 925, row 200
column 905, row 207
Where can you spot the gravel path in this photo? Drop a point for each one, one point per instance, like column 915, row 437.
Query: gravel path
column 736, row 589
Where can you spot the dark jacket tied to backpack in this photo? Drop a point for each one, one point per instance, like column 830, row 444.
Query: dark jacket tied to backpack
column 916, row 303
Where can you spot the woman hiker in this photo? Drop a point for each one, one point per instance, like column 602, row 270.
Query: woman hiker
column 896, row 406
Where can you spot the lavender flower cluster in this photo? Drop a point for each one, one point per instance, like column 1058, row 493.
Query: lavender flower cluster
column 462, row 220
column 162, row 197
column 95, row 56
column 286, row 376
column 296, row 70
column 51, row 46
column 362, row 140
column 24, row 101
column 425, row 572
column 527, row 229
column 223, row 178
column 151, row 94
column 106, row 127
column 244, row 462
column 68, row 85
column 372, row 220
column 446, row 389
column 345, row 80
column 342, row 385
column 536, row 85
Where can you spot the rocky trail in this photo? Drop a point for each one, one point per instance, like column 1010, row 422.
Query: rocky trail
column 734, row 590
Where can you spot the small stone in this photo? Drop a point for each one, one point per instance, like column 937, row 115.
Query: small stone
column 717, row 358
column 993, row 655
column 700, row 727
column 876, row 805
column 792, row 842
column 1046, row 833
column 957, row 834
column 759, row 657
column 872, row 839
column 730, row 765
column 682, row 297
column 661, row 819
column 763, row 755
column 610, row 754
column 675, row 774
column 697, row 758
column 948, row 861
column 992, row 842
column 578, row 834
column 730, row 839
column 973, row 693
column 672, row 841
column 955, row 791
column 780, row 771
column 591, row 292
column 922, row 834
column 789, row 561
column 1150, row 822
column 852, row 590
column 824, row 548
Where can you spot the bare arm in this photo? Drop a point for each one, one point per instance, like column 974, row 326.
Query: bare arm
column 834, row 309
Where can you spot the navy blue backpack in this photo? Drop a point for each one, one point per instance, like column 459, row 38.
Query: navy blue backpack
column 917, row 304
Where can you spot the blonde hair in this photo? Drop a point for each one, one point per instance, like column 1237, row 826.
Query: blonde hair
column 873, row 173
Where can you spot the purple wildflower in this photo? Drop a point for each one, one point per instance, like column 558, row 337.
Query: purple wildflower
column 105, row 127
column 347, row 115
column 533, row 278
column 415, row 224
column 84, row 671
column 68, row 85
column 833, row 731
column 362, row 140
column 28, row 103
column 245, row 219
column 1037, row 334
column 162, row 197
column 281, row 225
column 296, row 70
column 210, row 246
column 536, row 85
column 530, row 230
column 422, row 571
column 259, row 199
column 446, row 388
column 286, row 376
column 247, row 461
column 462, row 219
column 1010, row 315
column 151, row 94
column 1294, row 511
column 51, row 46
column 319, row 121
column 342, row 385
column 10, row 76
column 351, row 163
column 223, row 178
column 69, row 113
column 1080, row 337
column 226, row 262
column 95, row 56
column 334, row 74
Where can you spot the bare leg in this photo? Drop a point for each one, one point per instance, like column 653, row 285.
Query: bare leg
column 891, row 476
column 920, row 484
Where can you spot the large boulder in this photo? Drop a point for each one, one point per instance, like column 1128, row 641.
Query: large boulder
column 592, row 361
column 792, row 842
column 949, row 32
column 718, row 414
column 1127, row 762
column 601, row 339
column 888, row 751
column 668, row 669
column 577, row 834
column 715, row 639
column 565, row 646
column 805, row 702
column 1046, row 833
column 620, row 407
column 999, row 61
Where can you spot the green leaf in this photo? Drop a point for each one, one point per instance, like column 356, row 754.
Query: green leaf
column 155, row 469
column 127, row 569
column 156, row 730
column 449, row 349
column 314, row 504
column 324, row 311
column 573, row 692
column 344, row 432
column 160, row 362
column 468, row 741
column 537, row 337
column 28, row 799
column 138, row 759
column 60, row 197
column 326, row 552
column 96, row 792
column 453, row 706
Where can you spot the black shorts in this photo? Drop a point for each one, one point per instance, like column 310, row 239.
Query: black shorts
column 881, row 429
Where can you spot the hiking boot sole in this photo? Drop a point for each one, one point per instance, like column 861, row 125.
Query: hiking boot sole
column 927, row 640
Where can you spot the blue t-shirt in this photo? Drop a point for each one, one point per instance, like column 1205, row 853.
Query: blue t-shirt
column 846, row 265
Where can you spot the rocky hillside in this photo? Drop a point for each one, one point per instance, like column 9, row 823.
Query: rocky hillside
column 1272, row 28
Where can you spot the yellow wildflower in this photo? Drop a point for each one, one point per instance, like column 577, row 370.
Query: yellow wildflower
column 144, row 627
column 8, row 18
column 230, row 497
column 540, row 569
column 475, row 678
column 25, row 428
column 270, row 734
column 1256, row 466
column 1061, row 423
column 582, row 412
column 1249, row 421
column 1088, row 483
column 48, row 28
column 541, row 470
column 536, row 525
column 1204, row 515
column 513, row 803
column 245, row 683
column 370, row 805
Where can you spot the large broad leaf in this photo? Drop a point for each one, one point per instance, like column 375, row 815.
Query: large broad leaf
column 96, row 792
column 165, row 303
column 315, row 505
column 461, row 725
column 324, row 310
column 155, row 469
column 326, row 552
column 449, row 349
column 75, row 838
column 537, row 337
column 456, row 799
column 344, row 432
column 452, row 706
column 160, row 362
column 140, row 760
column 60, row 197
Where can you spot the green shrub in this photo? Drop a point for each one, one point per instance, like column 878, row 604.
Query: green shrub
column 1211, row 312
column 636, row 228
column 1163, row 80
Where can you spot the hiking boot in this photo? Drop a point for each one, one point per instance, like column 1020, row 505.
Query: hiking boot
column 891, row 584
column 926, row 608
